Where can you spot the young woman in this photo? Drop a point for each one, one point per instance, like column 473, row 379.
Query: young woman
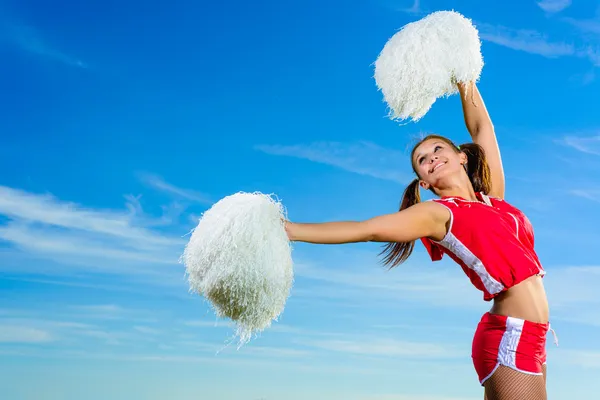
column 491, row 240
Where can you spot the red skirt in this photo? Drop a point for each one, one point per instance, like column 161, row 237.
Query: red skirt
column 508, row 341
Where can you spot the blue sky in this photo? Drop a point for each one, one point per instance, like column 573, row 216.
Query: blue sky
column 122, row 122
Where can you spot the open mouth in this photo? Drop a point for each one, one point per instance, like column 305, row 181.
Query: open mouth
column 438, row 167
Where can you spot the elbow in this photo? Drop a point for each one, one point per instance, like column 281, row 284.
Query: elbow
column 376, row 236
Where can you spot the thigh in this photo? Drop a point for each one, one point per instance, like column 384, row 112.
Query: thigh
column 508, row 384
column 544, row 371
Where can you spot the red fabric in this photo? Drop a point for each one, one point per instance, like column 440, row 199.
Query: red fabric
column 512, row 342
column 497, row 239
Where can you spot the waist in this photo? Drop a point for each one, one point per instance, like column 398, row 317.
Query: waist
column 526, row 300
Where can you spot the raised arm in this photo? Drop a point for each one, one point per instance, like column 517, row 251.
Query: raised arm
column 482, row 132
column 426, row 219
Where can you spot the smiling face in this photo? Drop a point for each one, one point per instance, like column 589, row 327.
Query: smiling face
column 437, row 162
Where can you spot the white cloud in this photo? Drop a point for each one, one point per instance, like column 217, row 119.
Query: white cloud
column 23, row 334
column 414, row 9
column 274, row 359
column 553, row 6
column 170, row 213
column 571, row 290
column 363, row 158
column 526, row 40
column 581, row 358
column 101, row 309
column 273, row 352
column 585, row 25
column 146, row 330
column 534, row 42
column 386, row 347
column 50, row 242
column 590, row 194
column 158, row 183
column 573, row 294
column 592, row 54
column 69, row 325
column 209, row 324
column 414, row 397
column 585, row 144
column 433, row 287
column 95, row 239
column 48, row 210
column 29, row 39
column 125, row 286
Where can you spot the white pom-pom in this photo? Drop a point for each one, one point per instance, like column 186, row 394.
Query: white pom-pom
column 424, row 60
column 239, row 258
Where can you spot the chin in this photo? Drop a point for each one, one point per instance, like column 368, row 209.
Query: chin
column 445, row 176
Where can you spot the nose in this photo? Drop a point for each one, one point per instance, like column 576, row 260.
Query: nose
column 432, row 158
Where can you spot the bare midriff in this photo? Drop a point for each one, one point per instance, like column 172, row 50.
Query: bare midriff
column 526, row 300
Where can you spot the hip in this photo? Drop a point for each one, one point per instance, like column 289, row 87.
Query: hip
column 527, row 300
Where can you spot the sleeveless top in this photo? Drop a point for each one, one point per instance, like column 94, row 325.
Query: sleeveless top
column 491, row 240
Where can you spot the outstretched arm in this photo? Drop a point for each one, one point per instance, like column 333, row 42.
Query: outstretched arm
column 426, row 219
column 482, row 132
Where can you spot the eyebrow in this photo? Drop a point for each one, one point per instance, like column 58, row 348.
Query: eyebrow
column 418, row 155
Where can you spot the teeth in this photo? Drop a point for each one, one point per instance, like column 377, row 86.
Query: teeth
column 439, row 165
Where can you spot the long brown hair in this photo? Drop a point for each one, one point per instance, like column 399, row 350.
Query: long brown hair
column 477, row 171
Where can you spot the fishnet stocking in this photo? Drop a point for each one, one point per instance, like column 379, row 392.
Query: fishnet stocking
column 508, row 384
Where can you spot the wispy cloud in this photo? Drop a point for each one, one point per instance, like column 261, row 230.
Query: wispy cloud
column 64, row 231
column 415, row 8
column 170, row 213
column 23, row 334
column 72, row 325
column 413, row 397
column 386, row 347
column 103, row 311
column 592, row 54
column 585, row 25
column 572, row 290
column 534, row 42
column 526, row 40
column 48, row 210
column 553, row 6
column 158, row 183
column 410, row 283
column 363, row 158
column 581, row 358
column 585, row 144
column 589, row 194
column 84, row 283
column 29, row 39
column 146, row 330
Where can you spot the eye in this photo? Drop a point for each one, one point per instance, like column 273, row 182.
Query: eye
column 437, row 148
column 420, row 160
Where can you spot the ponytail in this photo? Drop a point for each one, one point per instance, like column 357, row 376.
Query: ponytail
column 477, row 168
column 397, row 253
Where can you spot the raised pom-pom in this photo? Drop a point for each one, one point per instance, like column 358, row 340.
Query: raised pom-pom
column 424, row 60
column 239, row 258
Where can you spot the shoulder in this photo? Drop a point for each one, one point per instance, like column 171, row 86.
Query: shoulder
column 438, row 216
column 436, row 207
column 427, row 213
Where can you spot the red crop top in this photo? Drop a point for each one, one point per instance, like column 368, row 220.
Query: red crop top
column 491, row 240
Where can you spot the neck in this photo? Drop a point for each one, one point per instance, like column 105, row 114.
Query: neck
column 459, row 189
column 465, row 194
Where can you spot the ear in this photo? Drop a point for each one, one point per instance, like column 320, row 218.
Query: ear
column 424, row 185
column 463, row 158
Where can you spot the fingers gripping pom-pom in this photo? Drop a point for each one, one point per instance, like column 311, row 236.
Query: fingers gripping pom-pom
column 424, row 61
column 239, row 258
